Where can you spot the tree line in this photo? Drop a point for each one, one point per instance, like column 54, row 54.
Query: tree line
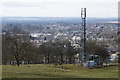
column 17, row 47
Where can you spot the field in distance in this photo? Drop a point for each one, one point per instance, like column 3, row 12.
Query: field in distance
column 49, row 71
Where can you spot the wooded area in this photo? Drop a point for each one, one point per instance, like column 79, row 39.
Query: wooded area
column 17, row 47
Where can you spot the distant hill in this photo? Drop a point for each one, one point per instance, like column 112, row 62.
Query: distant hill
column 56, row 19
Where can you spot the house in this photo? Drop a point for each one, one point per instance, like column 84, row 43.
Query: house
column 114, row 57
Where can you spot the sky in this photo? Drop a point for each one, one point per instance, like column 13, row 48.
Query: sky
column 58, row 8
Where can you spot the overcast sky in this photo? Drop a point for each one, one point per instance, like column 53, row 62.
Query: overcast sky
column 58, row 8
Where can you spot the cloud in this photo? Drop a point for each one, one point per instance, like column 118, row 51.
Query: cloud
column 60, row 0
column 59, row 8
column 25, row 4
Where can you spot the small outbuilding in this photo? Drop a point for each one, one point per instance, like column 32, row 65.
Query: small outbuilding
column 94, row 61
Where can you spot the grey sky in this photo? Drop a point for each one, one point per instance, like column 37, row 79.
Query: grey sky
column 59, row 8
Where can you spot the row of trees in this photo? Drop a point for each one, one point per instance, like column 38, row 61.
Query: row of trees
column 58, row 52
column 17, row 47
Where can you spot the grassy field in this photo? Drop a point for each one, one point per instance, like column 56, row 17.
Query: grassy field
column 47, row 71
